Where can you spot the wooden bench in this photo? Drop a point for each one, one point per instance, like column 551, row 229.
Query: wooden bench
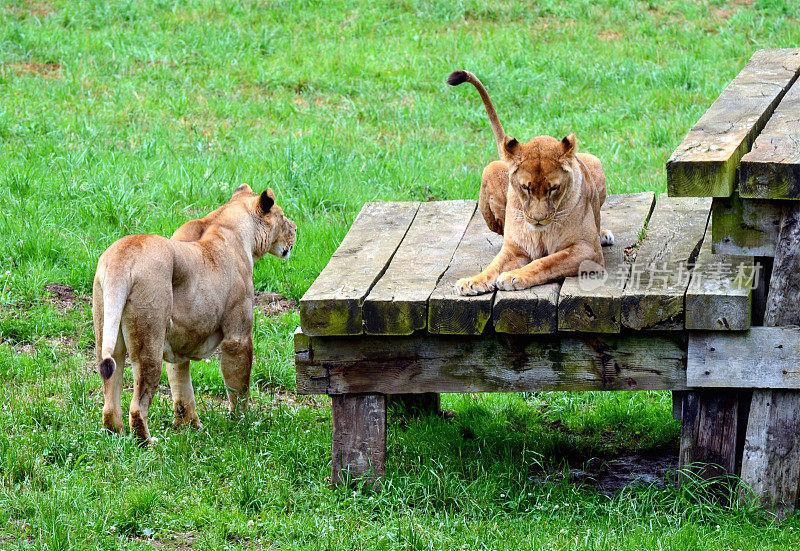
column 669, row 313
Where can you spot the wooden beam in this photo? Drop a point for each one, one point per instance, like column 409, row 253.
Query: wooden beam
column 438, row 363
column 654, row 295
column 596, row 308
column 745, row 226
column 718, row 297
column 763, row 357
column 332, row 305
column 398, row 303
column 705, row 163
column 448, row 312
column 358, row 446
column 527, row 312
column 772, row 168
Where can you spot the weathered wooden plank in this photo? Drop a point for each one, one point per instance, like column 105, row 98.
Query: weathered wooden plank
column 443, row 363
column 358, row 447
column 448, row 312
column 594, row 305
column 333, row 303
column 527, row 312
column 771, row 459
column 398, row 303
column 654, row 295
column 705, row 163
column 745, row 226
column 719, row 293
column 771, row 170
column 763, row 357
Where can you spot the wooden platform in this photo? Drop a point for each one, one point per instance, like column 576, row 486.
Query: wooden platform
column 401, row 281
column 675, row 309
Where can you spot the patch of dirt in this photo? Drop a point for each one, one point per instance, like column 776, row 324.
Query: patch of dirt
column 176, row 540
column 611, row 474
column 63, row 296
column 608, row 36
column 35, row 9
column 273, row 304
column 44, row 70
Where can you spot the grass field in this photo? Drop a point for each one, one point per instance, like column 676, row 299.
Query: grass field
column 133, row 117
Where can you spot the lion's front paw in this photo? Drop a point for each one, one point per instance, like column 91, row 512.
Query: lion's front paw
column 470, row 286
column 606, row 238
column 512, row 281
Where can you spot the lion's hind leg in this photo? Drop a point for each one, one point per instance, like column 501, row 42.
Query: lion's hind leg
column 146, row 375
column 183, row 401
column 145, row 335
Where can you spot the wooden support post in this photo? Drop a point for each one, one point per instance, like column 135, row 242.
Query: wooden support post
column 417, row 405
column 771, row 458
column 711, row 431
column 359, row 437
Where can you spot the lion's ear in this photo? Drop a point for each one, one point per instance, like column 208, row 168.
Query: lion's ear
column 241, row 188
column 267, row 199
column 510, row 150
column 570, row 144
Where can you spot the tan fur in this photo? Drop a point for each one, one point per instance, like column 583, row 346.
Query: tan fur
column 178, row 300
column 545, row 199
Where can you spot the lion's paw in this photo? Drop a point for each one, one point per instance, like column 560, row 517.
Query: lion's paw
column 606, row 238
column 470, row 286
column 510, row 281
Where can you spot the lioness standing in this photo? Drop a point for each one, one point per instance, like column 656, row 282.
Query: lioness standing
column 544, row 198
column 178, row 300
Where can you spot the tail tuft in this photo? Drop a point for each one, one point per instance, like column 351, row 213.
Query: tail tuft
column 457, row 77
column 107, row 367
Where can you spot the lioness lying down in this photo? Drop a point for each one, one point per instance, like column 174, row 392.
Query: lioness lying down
column 179, row 299
column 544, row 198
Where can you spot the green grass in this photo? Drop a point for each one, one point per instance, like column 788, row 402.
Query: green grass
column 128, row 117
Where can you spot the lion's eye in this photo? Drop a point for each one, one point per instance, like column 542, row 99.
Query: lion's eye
column 554, row 189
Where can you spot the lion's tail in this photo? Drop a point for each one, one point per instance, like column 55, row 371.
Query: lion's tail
column 115, row 295
column 460, row 77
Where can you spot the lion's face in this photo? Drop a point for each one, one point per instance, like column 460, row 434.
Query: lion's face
column 282, row 235
column 275, row 233
column 541, row 176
